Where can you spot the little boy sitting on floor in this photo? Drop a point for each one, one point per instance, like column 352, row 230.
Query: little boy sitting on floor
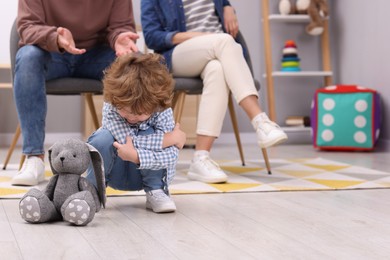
column 138, row 140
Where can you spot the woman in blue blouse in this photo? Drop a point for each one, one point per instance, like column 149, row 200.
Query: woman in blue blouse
column 196, row 38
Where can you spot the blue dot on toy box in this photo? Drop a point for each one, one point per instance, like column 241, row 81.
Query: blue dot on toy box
column 345, row 118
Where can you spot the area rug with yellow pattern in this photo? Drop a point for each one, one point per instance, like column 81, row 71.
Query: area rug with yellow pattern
column 287, row 175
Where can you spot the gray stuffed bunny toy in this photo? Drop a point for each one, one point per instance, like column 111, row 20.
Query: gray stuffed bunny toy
column 68, row 196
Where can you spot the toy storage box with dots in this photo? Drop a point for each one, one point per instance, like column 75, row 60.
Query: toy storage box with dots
column 345, row 117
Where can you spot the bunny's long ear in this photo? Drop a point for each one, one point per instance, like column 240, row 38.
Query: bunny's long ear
column 98, row 168
column 49, row 155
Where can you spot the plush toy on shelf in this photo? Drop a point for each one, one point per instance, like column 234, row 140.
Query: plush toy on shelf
column 290, row 60
column 302, row 6
column 316, row 9
column 286, row 7
column 318, row 12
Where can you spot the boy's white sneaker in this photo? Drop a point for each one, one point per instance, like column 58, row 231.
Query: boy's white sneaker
column 204, row 169
column 32, row 172
column 159, row 201
column 268, row 132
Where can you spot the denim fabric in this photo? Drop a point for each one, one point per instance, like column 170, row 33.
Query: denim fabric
column 161, row 19
column 123, row 175
column 33, row 67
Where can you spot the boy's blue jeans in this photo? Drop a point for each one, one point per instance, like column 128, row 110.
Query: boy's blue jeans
column 33, row 67
column 123, row 175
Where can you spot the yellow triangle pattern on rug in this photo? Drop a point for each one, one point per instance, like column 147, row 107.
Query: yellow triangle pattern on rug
column 111, row 192
column 337, row 184
column 5, row 178
column 226, row 187
column 240, row 169
column 48, row 174
column 298, row 174
column 328, row 167
column 11, row 191
column 178, row 192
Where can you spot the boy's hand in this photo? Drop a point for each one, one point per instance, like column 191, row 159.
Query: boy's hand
column 125, row 43
column 65, row 41
column 126, row 151
column 179, row 136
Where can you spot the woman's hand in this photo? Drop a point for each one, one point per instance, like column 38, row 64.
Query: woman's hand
column 231, row 22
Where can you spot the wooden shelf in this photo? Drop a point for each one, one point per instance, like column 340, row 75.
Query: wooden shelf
column 300, row 74
column 294, row 129
column 291, row 18
column 325, row 71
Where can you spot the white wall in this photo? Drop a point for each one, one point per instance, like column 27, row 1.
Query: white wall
column 8, row 9
column 361, row 49
column 58, row 121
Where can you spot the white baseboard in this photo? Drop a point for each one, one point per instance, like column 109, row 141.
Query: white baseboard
column 50, row 139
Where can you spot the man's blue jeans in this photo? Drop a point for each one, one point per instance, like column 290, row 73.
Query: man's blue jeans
column 33, row 67
column 124, row 175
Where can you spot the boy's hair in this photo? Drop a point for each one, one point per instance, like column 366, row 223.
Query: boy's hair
column 140, row 82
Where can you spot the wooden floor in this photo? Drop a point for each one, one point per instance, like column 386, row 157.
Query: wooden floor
column 267, row 225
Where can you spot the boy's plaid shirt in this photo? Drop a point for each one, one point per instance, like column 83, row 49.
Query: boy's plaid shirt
column 149, row 147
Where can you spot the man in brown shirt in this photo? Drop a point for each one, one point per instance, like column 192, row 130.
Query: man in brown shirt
column 72, row 38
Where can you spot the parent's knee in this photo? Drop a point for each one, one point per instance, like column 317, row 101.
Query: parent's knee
column 227, row 41
column 31, row 54
column 213, row 66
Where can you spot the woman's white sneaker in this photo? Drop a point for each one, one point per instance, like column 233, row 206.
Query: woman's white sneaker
column 268, row 132
column 204, row 169
column 32, row 172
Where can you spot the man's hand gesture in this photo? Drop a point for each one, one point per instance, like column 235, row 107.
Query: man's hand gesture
column 65, row 41
column 125, row 43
